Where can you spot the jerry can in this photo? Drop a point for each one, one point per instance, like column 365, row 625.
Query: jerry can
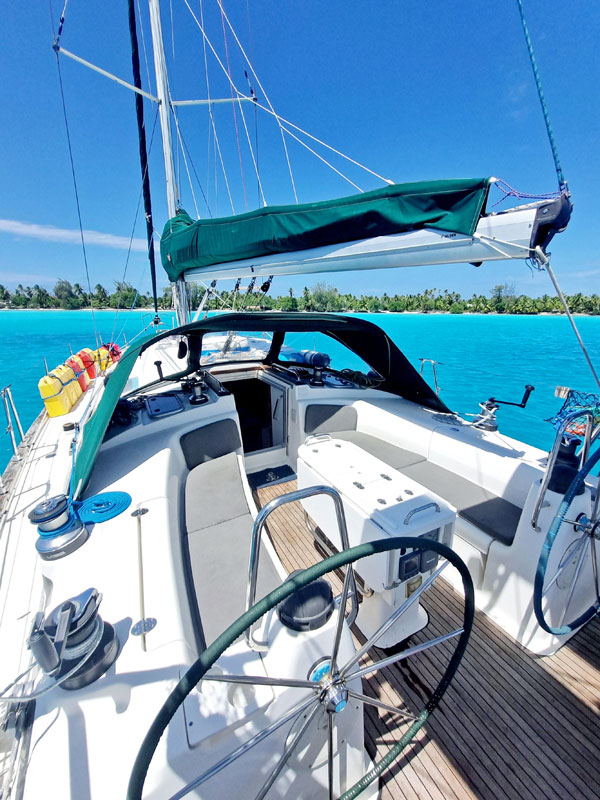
column 78, row 368
column 55, row 396
column 89, row 361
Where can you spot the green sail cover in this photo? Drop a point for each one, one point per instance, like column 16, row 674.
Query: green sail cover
column 95, row 428
column 451, row 205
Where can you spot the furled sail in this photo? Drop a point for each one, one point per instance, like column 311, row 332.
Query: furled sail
column 410, row 224
column 450, row 205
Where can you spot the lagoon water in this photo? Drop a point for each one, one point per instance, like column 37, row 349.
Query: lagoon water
column 480, row 356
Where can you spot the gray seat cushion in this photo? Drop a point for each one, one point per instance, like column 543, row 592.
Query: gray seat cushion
column 210, row 441
column 219, row 531
column 324, row 418
column 492, row 514
column 214, row 493
column 219, row 557
column 395, row 456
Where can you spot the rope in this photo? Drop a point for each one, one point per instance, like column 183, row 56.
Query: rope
column 64, row 108
column 576, row 401
column 562, row 184
column 90, row 643
column 509, row 191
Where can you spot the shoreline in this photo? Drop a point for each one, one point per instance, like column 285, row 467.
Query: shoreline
column 558, row 314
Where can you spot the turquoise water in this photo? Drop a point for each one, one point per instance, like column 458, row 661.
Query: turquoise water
column 480, row 356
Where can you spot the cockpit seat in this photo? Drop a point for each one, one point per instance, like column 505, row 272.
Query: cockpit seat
column 219, row 529
column 492, row 514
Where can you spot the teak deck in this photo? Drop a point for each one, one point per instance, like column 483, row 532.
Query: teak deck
column 511, row 725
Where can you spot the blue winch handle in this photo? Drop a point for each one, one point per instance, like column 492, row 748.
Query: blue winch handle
column 540, row 574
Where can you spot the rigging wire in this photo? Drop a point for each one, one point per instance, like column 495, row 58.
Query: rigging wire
column 142, row 148
column 135, row 219
column 61, row 23
column 206, row 41
column 258, row 181
column 172, row 30
column 281, row 120
column 64, row 108
column 270, row 110
column 562, row 184
column 284, row 121
column 149, row 82
column 544, row 260
column 216, row 55
column 235, row 122
column 542, row 257
column 260, row 192
column 189, row 155
column 321, row 158
column 261, row 87
column 185, row 162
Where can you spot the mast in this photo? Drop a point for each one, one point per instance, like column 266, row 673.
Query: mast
column 164, row 108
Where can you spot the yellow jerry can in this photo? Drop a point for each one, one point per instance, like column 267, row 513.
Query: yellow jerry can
column 55, row 396
column 67, row 377
column 102, row 358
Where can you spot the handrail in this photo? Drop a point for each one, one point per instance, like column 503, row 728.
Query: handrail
column 587, row 441
column 9, row 403
column 433, row 363
column 291, row 497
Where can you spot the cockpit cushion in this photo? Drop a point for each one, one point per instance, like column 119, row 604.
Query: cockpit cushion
column 210, row 441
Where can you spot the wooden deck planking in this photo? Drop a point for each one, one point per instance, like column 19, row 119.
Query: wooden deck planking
column 511, row 725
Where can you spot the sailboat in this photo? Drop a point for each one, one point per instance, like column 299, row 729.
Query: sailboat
column 167, row 627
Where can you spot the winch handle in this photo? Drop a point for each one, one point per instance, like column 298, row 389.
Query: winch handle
column 48, row 652
column 528, row 390
column 65, row 618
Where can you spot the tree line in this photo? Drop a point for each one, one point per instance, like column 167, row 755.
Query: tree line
column 502, row 299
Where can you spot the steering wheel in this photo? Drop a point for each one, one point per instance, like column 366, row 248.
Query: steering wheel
column 578, row 553
column 329, row 692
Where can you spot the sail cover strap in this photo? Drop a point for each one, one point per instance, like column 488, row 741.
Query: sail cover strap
column 449, row 205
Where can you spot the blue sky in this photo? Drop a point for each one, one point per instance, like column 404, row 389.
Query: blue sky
column 415, row 91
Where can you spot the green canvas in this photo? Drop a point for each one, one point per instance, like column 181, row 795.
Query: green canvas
column 95, row 428
column 450, row 205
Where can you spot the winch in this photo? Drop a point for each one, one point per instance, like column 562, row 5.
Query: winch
column 60, row 529
column 74, row 633
column 64, row 525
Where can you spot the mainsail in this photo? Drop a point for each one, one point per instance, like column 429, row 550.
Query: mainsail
column 449, row 205
column 404, row 225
